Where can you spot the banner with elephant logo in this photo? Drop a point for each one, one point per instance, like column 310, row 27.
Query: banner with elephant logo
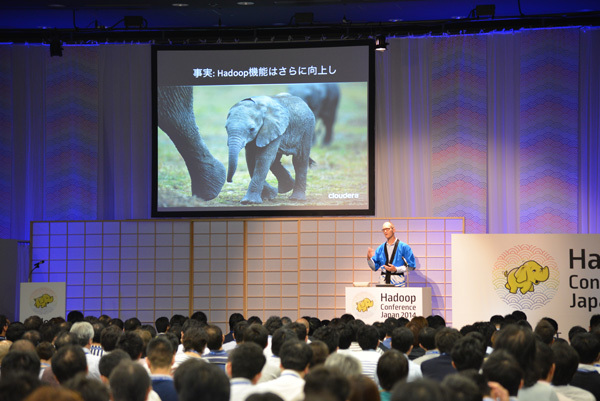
column 544, row 275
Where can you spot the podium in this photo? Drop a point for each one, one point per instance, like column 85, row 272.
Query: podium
column 375, row 304
column 46, row 300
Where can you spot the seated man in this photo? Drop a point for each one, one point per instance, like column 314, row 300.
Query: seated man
column 392, row 367
column 295, row 357
column 501, row 367
column 129, row 381
column 565, row 363
column 587, row 377
column 196, row 380
column 160, row 357
column 214, row 342
column 244, row 368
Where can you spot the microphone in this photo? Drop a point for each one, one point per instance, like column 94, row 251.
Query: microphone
column 35, row 266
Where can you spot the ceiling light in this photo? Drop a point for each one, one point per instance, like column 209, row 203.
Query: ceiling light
column 180, row 4
column 245, row 3
column 380, row 43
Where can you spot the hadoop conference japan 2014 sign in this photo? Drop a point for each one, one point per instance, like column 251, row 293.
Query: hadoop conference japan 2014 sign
column 544, row 275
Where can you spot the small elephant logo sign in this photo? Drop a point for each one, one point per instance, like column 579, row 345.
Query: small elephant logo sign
column 364, row 305
column 43, row 301
column 524, row 277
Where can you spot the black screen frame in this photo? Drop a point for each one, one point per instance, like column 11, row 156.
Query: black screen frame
column 250, row 211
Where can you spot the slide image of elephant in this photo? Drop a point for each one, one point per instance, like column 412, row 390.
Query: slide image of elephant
column 176, row 118
column 340, row 168
column 269, row 127
column 524, row 277
column 323, row 100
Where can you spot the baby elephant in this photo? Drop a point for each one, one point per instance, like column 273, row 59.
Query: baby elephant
column 269, row 127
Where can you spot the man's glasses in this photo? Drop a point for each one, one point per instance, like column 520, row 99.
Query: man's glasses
column 386, row 229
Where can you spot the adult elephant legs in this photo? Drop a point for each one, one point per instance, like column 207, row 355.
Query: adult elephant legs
column 176, row 118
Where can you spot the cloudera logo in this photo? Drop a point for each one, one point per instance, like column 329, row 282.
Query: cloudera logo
column 343, row 196
column 525, row 277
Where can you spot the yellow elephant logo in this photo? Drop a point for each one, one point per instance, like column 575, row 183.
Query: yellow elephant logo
column 364, row 305
column 43, row 301
column 524, row 277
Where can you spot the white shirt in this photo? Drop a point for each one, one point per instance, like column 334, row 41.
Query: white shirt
column 368, row 359
column 240, row 387
column 414, row 370
column 289, row 386
column 271, row 370
column 92, row 364
column 575, row 393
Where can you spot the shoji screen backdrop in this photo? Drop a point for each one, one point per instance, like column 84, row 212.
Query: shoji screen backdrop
column 263, row 267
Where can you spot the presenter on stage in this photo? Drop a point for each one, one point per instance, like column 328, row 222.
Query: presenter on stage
column 393, row 258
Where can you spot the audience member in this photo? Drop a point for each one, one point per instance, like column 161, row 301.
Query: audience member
column 18, row 386
column 68, row 362
column 256, row 333
column 520, row 365
column 368, row 355
column 346, row 363
column 234, row 319
column 17, row 362
column 45, row 351
column 214, row 342
column 467, row 353
column 573, row 331
column 162, row 325
column 363, row 388
column 329, row 336
column 458, row 387
column 109, row 337
column 323, row 383
column 244, row 367
column 160, row 358
column 503, row 368
column 129, row 381
column 109, row 362
column 84, row 334
column 295, row 358
column 566, row 361
column 132, row 324
column 403, row 340
column 74, row 316
column 319, row 353
column 15, row 331
column 132, row 343
column 520, row 342
column 392, row 367
column 438, row 368
column 427, row 342
column 89, row 389
column 196, row 380
column 545, row 332
column 53, row 394
column 587, row 346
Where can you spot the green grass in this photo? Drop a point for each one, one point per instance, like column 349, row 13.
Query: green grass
column 340, row 167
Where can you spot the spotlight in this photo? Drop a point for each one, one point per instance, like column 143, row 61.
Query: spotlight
column 380, row 43
column 56, row 48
